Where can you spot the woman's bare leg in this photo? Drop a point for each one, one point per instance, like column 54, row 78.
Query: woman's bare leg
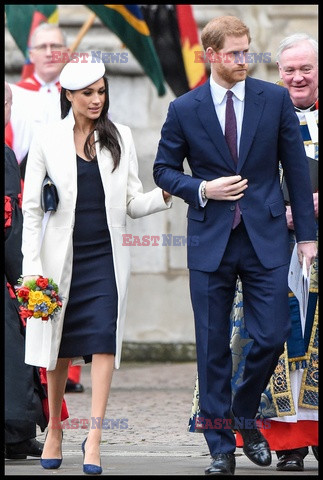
column 56, row 382
column 101, row 376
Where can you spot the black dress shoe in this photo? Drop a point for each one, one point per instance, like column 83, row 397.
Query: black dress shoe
column 222, row 464
column 72, row 387
column 316, row 452
column 291, row 462
column 22, row 450
column 255, row 446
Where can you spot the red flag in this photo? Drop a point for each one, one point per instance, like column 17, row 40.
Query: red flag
column 175, row 35
column 195, row 71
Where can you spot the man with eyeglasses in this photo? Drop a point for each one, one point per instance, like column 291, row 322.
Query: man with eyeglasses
column 37, row 98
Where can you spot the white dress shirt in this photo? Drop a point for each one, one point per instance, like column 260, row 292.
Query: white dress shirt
column 219, row 98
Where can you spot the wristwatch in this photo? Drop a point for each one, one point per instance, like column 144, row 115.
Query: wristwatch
column 203, row 194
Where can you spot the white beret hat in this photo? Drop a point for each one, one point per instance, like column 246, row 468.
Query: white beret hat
column 82, row 73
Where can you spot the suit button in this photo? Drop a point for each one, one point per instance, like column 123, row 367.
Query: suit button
column 233, row 207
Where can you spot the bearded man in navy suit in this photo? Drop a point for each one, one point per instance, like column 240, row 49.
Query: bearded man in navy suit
column 236, row 209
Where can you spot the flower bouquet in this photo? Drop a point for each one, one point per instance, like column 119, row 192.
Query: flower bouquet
column 38, row 298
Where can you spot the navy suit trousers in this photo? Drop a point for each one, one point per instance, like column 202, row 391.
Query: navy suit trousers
column 265, row 303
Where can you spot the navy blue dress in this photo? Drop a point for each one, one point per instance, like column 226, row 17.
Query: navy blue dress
column 91, row 313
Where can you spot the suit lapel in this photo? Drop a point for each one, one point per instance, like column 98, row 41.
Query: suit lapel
column 253, row 108
column 206, row 112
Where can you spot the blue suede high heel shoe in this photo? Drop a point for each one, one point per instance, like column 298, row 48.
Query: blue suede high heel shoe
column 51, row 463
column 89, row 468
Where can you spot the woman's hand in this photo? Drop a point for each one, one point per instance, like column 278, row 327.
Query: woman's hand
column 29, row 278
column 166, row 195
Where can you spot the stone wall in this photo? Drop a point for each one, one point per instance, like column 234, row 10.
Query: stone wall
column 159, row 310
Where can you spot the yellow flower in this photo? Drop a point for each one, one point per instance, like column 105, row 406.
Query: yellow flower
column 51, row 308
column 35, row 297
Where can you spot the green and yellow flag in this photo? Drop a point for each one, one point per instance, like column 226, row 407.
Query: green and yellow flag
column 127, row 22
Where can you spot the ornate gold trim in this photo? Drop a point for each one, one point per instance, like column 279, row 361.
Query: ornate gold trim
column 280, row 387
column 308, row 397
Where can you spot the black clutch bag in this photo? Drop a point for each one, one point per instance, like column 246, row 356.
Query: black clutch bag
column 49, row 196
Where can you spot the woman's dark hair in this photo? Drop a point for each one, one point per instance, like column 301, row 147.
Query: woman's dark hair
column 108, row 135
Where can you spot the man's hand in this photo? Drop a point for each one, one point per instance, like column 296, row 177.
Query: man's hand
column 307, row 250
column 226, row 188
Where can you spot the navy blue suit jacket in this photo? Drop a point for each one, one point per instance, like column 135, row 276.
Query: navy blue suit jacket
column 270, row 133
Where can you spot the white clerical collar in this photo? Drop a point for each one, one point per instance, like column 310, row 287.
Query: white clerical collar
column 48, row 84
column 311, row 108
column 219, row 92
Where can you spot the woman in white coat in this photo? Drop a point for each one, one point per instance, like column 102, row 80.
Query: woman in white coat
column 93, row 164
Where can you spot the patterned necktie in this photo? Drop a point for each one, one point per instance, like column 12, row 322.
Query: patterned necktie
column 231, row 138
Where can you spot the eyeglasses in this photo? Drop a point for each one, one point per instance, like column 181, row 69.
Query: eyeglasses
column 44, row 46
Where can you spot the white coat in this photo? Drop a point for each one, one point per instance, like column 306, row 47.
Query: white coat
column 51, row 254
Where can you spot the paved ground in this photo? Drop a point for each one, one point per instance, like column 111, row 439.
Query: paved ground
column 148, row 413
